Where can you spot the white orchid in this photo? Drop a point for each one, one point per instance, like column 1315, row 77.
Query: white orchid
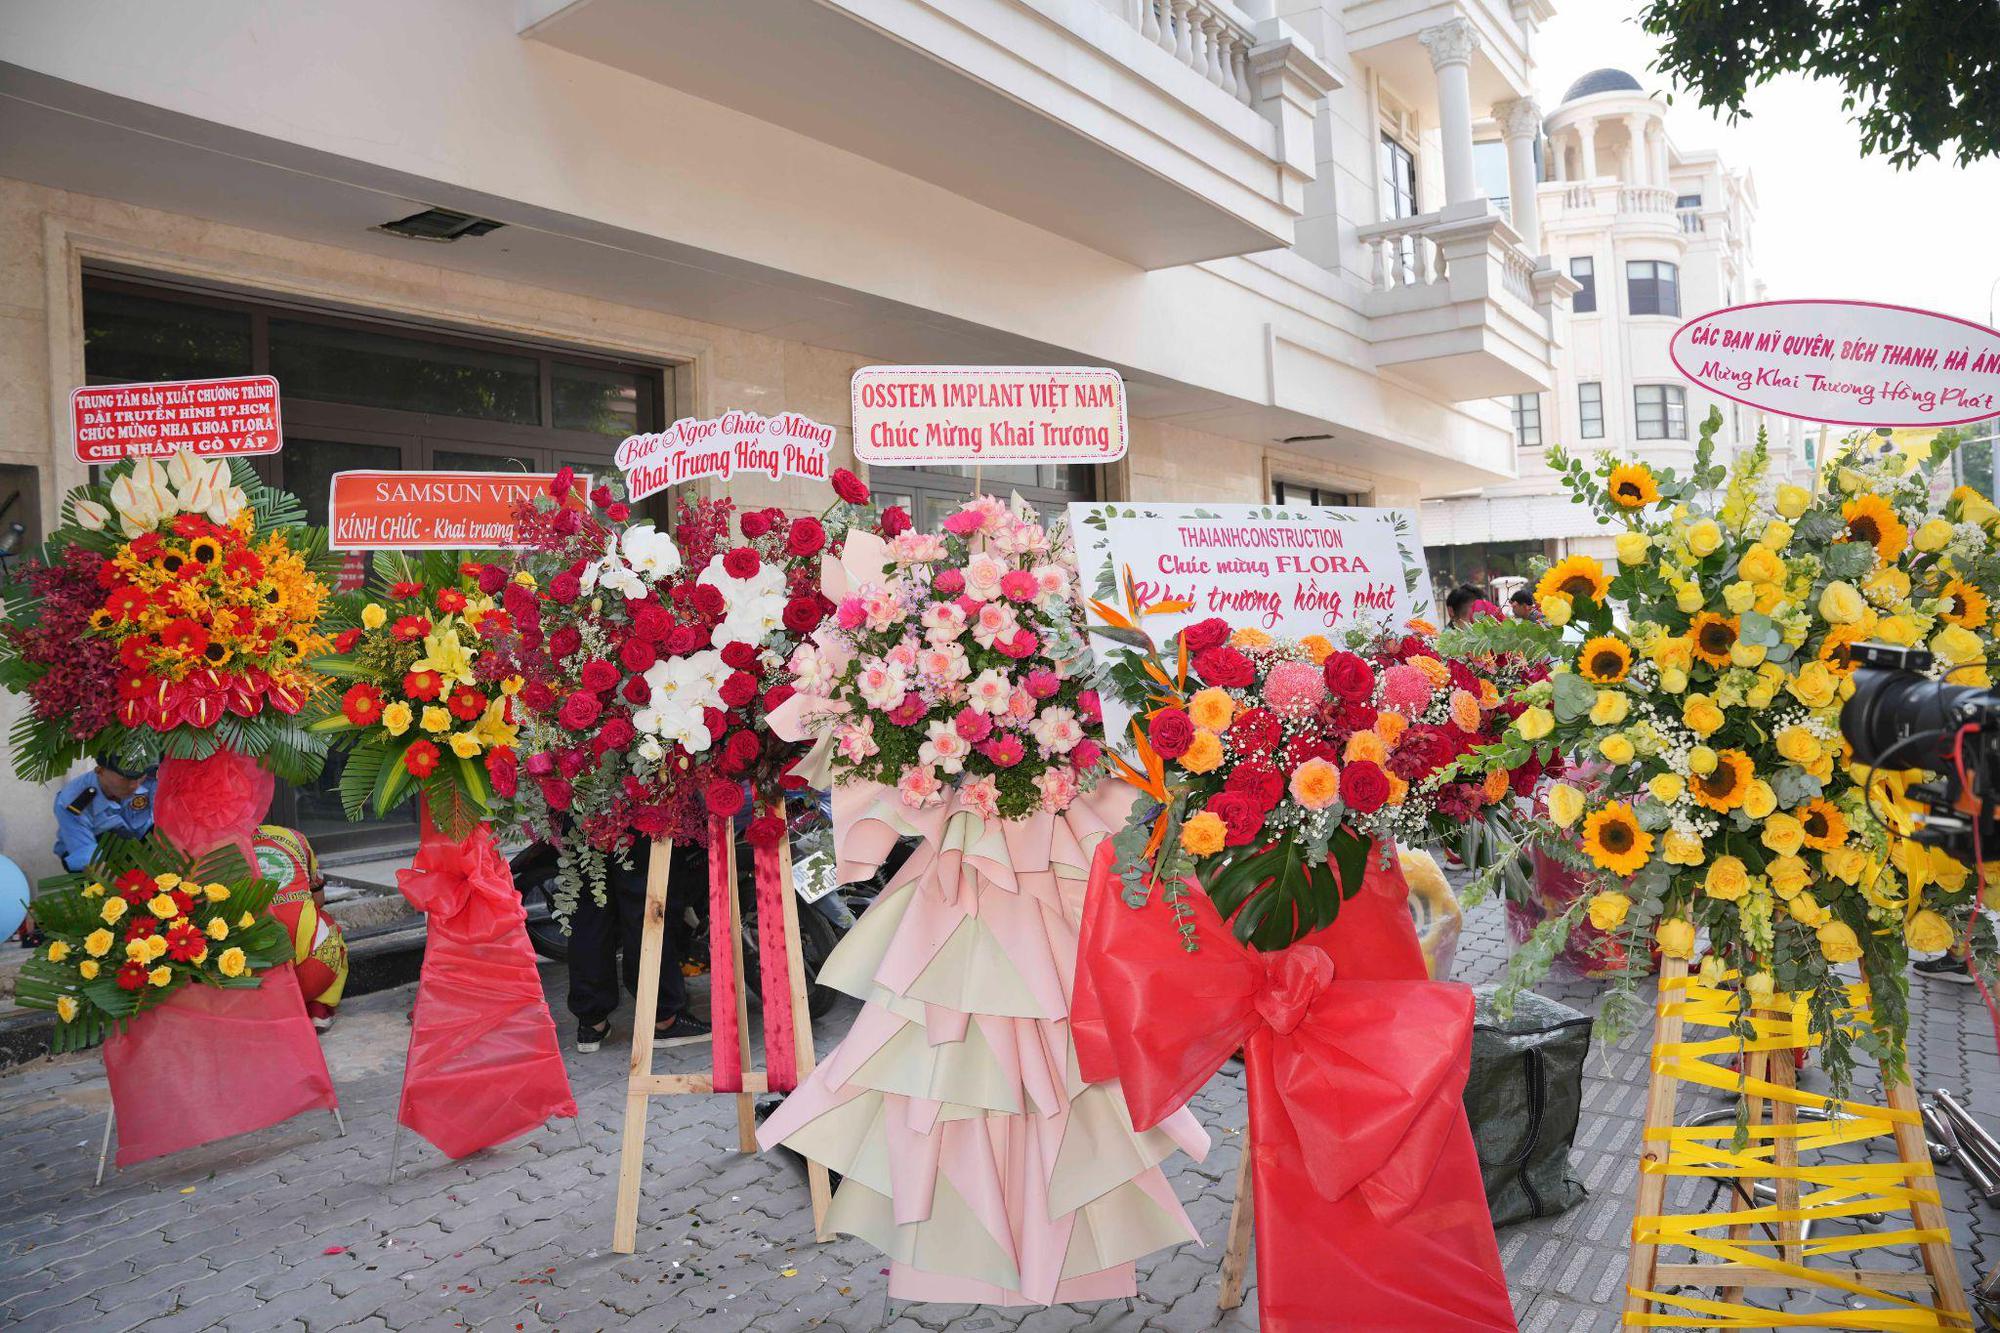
column 651, row 553
column 683, row 688
column 752, row 607
column 611, row 572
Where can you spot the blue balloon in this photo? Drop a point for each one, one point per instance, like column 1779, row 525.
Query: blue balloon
column 13, row 898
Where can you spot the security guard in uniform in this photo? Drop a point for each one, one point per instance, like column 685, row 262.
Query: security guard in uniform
column 108, row 799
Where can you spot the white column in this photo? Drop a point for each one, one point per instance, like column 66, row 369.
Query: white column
column 1520, row 121
column 1451, row 46
column 1586, row 138
column 1637, row 168
column 1662, row 172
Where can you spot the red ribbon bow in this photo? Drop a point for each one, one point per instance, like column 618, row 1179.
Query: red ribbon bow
column 463, row 886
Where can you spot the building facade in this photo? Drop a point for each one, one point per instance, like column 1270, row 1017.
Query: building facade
column 504, row 233
column 1653, row 234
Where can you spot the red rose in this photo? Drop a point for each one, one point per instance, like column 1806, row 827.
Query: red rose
column 537, row 697
column 895, row 521
column 558, row 793
column 563, row 483
column 1462, row 677
column 1170, row 732
column 1423, row 750
column 637, row 691
column 1203, row 634
column 1225, row 667
column 765, row 831
column 503, row 770
column 600, row 496
column 740, row 751
column 618, row 511
column 850, row 487
column 1260, row 782
column 565, row 588
column 1350, row 677
column 1256, row 731
column 421, row 759
column 738, row 656
column 1364, row 786
column 740, row 563
column 707, row 598
column 1302, row 748
column 739, row 689
column 492, row 579
column 715, row 721
column 1242, row 818
column 565, row 641
column 723, row 799
column 652, row 623
column 806, row 538
column 520, row 603
column 599, row 674
column 754, row 523
column 776, row 696
column 636, row 654
column 617, row 732
column 802, row 615
column 580, row 710
column 466, row 703
column 685, row 640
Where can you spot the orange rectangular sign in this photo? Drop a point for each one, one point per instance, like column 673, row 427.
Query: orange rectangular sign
column 433, row 511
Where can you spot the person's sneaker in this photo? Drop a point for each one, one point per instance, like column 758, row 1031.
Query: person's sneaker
column 1944, row 968
column 590, row 1036
column 322, row 1023
column 683, row 1026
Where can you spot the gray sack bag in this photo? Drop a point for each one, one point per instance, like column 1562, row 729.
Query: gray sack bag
column 1523, row 1097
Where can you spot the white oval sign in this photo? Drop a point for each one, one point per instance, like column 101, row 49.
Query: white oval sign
column 1846, row 363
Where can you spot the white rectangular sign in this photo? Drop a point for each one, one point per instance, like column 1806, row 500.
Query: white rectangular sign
column 989, row 415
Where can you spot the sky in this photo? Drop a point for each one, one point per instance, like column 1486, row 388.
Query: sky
column 1830, row 223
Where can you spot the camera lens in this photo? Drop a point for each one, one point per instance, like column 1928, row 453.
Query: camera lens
column 1903, row 717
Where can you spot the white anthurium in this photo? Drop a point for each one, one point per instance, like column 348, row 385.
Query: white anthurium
column 91, row 515
column 228, row 504
column 651, row 553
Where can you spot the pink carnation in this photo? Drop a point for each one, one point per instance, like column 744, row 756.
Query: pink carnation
column 1086, row 754
column 1294, row 687
column 849, row 614
column 1405, row 689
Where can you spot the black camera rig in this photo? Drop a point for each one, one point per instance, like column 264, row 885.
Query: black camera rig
column 1900, row 717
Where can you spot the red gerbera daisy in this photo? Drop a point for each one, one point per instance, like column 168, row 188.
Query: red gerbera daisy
column 245, row 562
column 185, row 942
column 185, row 635
column 450, row 600
column 424, row 685
column 411, row 627
column 421, row 759
column 405, row 588
column 467, row 703
column 132, row 976
column 362, row 704
column 127, row 603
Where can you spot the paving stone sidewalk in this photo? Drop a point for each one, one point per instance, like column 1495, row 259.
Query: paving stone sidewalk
column 295, row 1228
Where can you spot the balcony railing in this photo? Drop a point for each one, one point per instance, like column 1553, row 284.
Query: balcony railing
column 1210, row 37
column 1691, row 221
column 1417, row 252
column 1644, row 199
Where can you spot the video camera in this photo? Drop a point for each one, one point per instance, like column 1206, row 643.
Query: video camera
column 1899, row 717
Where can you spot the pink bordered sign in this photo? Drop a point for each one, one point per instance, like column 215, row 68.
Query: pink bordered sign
column 988, row 415
column 1845, row 363
column 210, row 418
column 698, row 449
column 434, row 511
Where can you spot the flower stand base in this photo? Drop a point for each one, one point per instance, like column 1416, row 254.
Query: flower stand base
column 1765, row 1247
column 725, row 993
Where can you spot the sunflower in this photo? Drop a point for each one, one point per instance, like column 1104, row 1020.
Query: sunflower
column 1870, row 519
column 217, row 654
column 101, row 619
column 1712, row 636
column 1727, row 784
column 1825, row 826
column 1574, row 576
column 1613, row 839
column 1604, row 661
column 1833, row 649
column 1965, row 605
column 1632, row 486
column 204, row 550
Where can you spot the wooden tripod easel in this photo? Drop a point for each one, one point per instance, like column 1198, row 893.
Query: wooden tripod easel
column 642, row 1084
column 1938, row 1281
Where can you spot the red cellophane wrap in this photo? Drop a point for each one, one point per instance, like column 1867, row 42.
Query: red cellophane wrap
column 1589, row 951
column 483, row 1065
column 212, row 1062
column 200, row 804
column 1382, row 1224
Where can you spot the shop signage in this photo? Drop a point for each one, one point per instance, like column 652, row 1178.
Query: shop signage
column 433, row 511
column 988, row 415
column 786, row 445
column 210, row 418
column 1846, row 363
column 1287, row 570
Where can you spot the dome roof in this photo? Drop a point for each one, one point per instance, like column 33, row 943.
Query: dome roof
column 1602, row 81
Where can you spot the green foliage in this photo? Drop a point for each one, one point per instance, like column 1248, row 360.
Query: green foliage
column 1274, row 896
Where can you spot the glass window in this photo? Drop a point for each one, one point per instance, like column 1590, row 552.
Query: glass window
column 129, row 339
column 608, row 402
column 1297, row 493
column 334, row 364
column 1687, row 201
column 1590, row 409
column 1528, row 420
column 1399, row 196
column 1652, row 287
column 1660, row 411
column 929, row 494
column 1489, row 168
column 467, row 460
column 1585, row 301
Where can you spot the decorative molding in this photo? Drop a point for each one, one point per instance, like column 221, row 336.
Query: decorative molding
column 1519, row 119
column 1450, row 43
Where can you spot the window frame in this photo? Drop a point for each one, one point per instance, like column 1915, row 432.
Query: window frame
column 1312, row 495
column 1661, row 288
column 1584, row 408
column 1585, row 301
column 1670, row 402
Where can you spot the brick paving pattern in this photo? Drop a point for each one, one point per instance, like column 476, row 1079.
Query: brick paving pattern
column 296, row 1229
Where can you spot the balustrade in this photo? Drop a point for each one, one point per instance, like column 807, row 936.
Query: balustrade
column 1211, row 37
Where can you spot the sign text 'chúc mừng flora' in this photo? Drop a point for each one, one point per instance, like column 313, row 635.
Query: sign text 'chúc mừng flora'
column 988, row 415
column 434, row 511
column 719, row 448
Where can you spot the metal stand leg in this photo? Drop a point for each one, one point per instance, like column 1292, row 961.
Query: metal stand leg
column 104, row 1148
column 395, row 1147
column 339, row 1123
column 576, row 1123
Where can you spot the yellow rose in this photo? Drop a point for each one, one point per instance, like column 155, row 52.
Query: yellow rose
column 1212, row 709
column 1739, row 596
column 1703, row 536
column 1793, row 501
column 465, row 745
column 1203, row 835
column 1761, row 694
column 58, row 951
column 1632, row 548
column 215, row 893
column 1672, row 650
column 218, row 929
column 113, row 909
column 156, row 947
column 1850, row 480
column 1837, row 942
column 1609, row 708
column 1700, row 715
column 1815, row 686
column 1555, row 609
column 1760, row 565
column 160, row 976
column 1203, row 754
column 93, row 890
column 135, row 950
column 1565, row 804
column 1676, row 937
column 1955, row 643
column 163, row 906
column 1950, row 873
column 1683, row 849
column 1728, row 879
column 1535, row 723
column 1807, row 911
column 512, row 684
column 1711, row 970
column 98, row 943
column 1840, row 604
column 167, row 880
column 1777, row 534
column 1674, row 680
column 245, row 921
column 396, row 717
column 1927, row 932
column 524, row 578
column 1690, row 598
column 1899, row 630
column 234, row 963
column 1789, row 875
column 436, row 719
column 1887, row 586
column 67, row 1008
column 1798, row 745
column 87, row 969
column 1760, row 985
column 1701, row 761
column 1607, row 910
column 1616, row 748
column 1746, row 655
column 1783, row 834
column 373, row 616
column 1666, row 787
column 1845, row 864
column 1758, row 799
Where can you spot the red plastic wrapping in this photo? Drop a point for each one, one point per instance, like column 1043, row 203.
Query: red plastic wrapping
column 726, row 1047
column 1589, row 951
column 200, row 804
column 1382, row 1225
column 484, row 1065
column 213, row 1062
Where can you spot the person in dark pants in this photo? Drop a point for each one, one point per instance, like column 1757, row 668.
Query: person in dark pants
column 598, row 935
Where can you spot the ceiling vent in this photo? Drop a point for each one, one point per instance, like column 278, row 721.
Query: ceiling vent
column 1303, row 439
column 439, row 224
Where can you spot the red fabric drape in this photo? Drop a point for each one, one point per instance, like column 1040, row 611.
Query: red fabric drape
column 484, row 1065
column 1382, row 1224
column 200, row 804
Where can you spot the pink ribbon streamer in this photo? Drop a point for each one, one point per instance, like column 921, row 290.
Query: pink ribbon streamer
column 727, row 1044
column 774, row 962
